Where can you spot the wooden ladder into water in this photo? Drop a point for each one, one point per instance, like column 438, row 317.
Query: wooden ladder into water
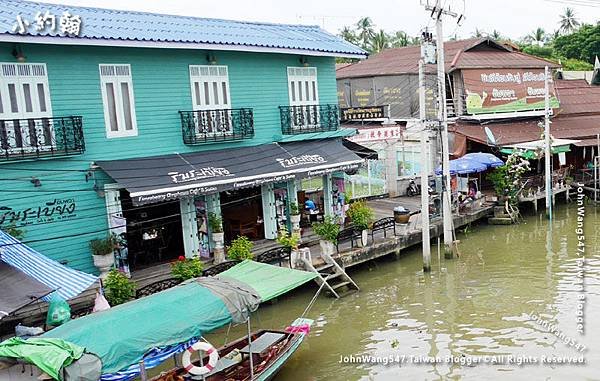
column 332, row 276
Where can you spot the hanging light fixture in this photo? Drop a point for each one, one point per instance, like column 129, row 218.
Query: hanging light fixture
column 18, row 53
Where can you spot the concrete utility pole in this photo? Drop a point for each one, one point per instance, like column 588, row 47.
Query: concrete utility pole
column 424, row 172
column 437, row 12
column 548, row 147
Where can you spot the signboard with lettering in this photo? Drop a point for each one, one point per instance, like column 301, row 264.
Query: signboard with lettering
column 377, row 134
column 362, row 113
column 52, row 210
column 506, row 90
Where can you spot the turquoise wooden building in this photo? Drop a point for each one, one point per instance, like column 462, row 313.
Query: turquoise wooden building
column 142, row 124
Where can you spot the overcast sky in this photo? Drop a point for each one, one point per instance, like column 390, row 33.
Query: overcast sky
column 513, row 18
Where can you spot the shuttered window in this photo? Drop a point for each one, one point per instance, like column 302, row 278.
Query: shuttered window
column 302, row 86
column 210, row 87
column 117, row 96
column 24, row 91
column 25, row 108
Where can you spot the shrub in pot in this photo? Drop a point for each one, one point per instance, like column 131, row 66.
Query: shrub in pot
column 102, row 253
column 240, row 249
column 216, row 227
column 362, row 217
column 118, row 289
column 328, row 231
column 295, row 216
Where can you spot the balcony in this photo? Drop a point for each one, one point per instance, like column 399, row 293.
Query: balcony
column 309, row 118
column 209, row 126
column 41, row 137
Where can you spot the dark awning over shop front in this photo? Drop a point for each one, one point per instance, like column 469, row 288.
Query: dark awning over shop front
column 18, row 290
column 159, row 178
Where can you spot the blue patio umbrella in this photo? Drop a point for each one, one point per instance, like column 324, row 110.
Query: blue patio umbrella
column 463, row 166
column 490, row 160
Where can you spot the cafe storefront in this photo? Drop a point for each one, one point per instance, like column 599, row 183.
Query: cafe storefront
column 249, row 188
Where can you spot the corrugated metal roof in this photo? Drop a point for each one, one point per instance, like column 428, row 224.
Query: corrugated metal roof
column 464, row 54
column 572, row 127
column 577, row 97
column 118, row 25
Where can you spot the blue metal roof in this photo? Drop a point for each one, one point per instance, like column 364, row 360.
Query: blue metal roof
column 116, row 25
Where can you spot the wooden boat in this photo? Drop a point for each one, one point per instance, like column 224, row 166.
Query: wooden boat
column 270, row 351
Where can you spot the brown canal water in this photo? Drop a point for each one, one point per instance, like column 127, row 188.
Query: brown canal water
column 476, row 307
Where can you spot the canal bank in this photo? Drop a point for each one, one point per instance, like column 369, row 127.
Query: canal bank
column 478, row 304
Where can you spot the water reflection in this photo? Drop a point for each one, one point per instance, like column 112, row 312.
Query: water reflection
column 478, row 304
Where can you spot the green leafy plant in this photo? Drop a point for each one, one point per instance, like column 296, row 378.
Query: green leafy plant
column 347, row 197
column 240, row 249
column 215, row 222
column 287, row 240
column 186, row 268
column 361, row 214
column 294, row 210
column 328, row 230
column 12, row 230
column 507, row 178
column 103, row 246
column 118, row 289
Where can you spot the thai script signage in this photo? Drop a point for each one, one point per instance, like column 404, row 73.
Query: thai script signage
column 70, row 25
column 54, row 210
column 295, row 161
column 492, row 91
column 198, row 174
column 361, row 113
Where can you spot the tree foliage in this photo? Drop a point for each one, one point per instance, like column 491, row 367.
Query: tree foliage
column 364, row 34
column 584, row 44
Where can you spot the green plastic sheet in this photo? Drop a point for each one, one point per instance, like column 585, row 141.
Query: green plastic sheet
column 122, row 335
column 268, row 280
column 50, row 355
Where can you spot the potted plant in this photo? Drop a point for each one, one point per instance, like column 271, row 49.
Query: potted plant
column 186, row 268
column 240, row 249
column 216, row 227
column 118, row 288
column 328, row 231
column 362, row 217
column 102, row 253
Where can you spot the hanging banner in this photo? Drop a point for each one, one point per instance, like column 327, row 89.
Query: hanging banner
column 506, row 90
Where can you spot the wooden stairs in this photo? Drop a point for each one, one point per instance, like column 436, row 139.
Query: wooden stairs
column 332, row 276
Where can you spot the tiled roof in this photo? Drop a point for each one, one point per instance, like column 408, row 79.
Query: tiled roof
column 572, row 127
column 464, row 54
column 578, row 97
column 115, row 26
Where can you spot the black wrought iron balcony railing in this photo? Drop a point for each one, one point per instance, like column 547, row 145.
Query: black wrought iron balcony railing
column 309, row 118
column 41, row 137
column 207, row 126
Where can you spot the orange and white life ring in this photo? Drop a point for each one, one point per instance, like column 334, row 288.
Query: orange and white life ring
column 213, row 358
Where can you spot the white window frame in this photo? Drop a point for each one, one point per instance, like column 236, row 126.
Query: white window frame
column 116, row 79
column 211, row 74
column 33, row 75
column 303, row 75
column 215, row 78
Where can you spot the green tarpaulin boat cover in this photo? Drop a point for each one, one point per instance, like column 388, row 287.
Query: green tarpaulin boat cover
column 50, row 355
column 122, row 335
column 269, row 281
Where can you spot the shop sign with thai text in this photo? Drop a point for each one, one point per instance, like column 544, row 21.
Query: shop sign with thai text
column 362, row 113
column 506, row 90
column 52, row 210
